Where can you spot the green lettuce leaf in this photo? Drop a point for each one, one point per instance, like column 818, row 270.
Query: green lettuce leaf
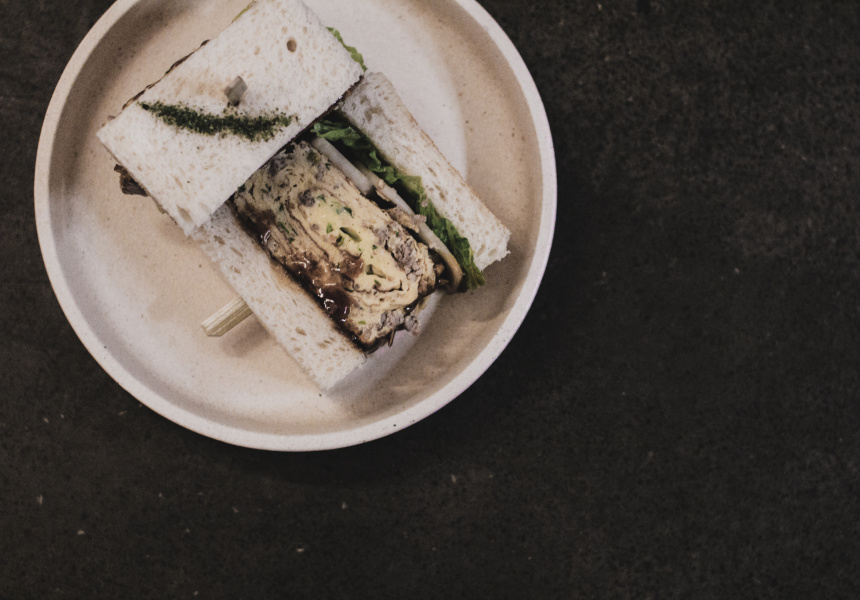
column 410, row 187
column 356, row 55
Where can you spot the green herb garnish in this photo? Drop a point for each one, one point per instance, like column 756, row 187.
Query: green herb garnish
column 259, row 128
column 288, row 231
column 351, row 233
column 340, row 209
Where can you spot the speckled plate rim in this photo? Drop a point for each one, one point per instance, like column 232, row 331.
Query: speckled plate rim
column 297, row 442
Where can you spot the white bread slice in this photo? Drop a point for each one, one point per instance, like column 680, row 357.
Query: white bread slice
column 375, row 108
column 292, row 66
column 283, row 307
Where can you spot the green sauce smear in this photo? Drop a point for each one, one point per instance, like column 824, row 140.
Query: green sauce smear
column 259, row 128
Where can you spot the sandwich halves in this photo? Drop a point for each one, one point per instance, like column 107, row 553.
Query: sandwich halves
column 308, row 182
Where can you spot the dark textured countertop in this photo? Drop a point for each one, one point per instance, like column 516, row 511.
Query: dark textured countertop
column 678, row 417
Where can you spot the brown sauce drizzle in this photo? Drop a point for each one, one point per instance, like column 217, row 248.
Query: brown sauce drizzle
column 324, row 282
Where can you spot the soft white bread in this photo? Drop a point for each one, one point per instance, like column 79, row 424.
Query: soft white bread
column 375, row 108
column 293, row 66
column 284, row 308
column 282, row 305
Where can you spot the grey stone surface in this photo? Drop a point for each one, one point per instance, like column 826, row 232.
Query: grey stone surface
column 678, row 417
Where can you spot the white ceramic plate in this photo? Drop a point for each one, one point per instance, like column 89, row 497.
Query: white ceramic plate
column 135, row 290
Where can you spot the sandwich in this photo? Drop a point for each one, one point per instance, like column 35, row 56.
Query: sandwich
column 308, row 182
